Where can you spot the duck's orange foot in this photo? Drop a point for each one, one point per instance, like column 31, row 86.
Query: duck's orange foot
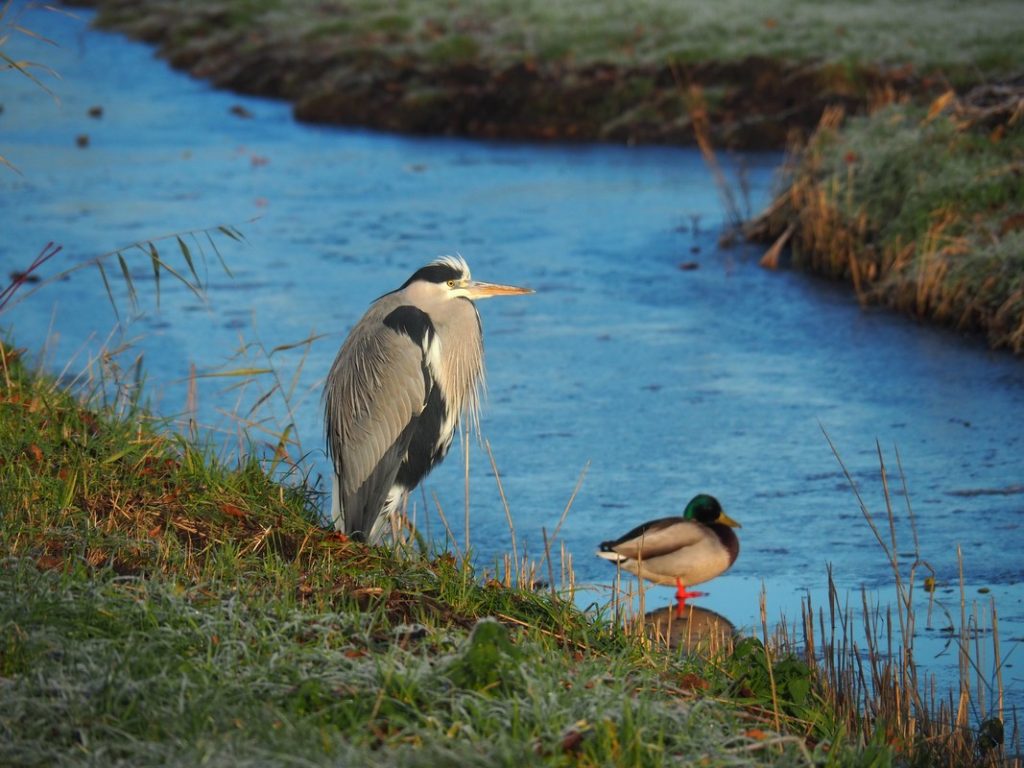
column 681, row 597
column 682, row 593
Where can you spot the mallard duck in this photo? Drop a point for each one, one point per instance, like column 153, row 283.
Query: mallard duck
column 683, row 550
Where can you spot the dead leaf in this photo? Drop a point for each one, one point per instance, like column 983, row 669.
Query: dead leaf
column 96, row 557
column 770, row 260
column 694, row 682
column 1012, row 223
column 90, row 422
column 572, row 740
column 232, row 510
column 939, row 104
column 375, row 591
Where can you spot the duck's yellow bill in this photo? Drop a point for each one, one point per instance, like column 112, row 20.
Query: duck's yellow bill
column 724, row 519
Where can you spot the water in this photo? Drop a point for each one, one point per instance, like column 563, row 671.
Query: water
column 663, row 382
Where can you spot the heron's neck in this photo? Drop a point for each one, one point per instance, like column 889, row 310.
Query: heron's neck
column 461, row 360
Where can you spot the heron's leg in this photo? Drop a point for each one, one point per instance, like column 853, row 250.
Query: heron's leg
column 337, row 518
column 387, row 520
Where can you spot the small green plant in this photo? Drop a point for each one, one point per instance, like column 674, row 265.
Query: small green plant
column 457, row 49
column 489, row 661
column 760, row 678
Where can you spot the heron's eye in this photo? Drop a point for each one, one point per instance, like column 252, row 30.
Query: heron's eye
column 451, row 283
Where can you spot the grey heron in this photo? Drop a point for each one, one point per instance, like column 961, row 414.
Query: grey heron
column 408, row 371
column 690, row 549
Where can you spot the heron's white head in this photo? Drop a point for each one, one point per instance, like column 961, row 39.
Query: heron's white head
column 448, row 277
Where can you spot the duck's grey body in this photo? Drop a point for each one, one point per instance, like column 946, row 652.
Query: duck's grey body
column 674, row 549
column 683, row 550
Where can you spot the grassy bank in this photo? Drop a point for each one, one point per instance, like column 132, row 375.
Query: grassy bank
column 159, row 607
column 922, row 209
column 580, row 71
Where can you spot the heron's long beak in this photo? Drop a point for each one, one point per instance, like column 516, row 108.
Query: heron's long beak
column 724, row 519
column 477, row 290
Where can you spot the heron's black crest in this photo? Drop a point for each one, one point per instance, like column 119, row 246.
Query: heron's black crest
column 412, row 321
column 437, row 272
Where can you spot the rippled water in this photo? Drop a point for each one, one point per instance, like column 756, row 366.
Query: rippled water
column 663, row 381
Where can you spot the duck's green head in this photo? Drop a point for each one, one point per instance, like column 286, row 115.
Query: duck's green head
column 705, row 508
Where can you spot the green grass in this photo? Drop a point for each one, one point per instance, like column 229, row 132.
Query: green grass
column 980, row 37
column 922, row 210
column 900, row 169
column 140, row 672
column 158, row 606
column 145, row 672
column 561, row 69
column 161, row 606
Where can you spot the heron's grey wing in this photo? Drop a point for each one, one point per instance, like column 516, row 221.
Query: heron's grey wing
column 659, row 537
column 376, row 389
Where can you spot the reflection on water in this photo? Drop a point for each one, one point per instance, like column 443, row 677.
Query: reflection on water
column 667, row 379
column 690, row 628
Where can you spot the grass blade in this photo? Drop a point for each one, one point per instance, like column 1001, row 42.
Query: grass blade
column 155, row 257
column 308, row 340
column 24, row 66
column 35, row 35
column 237, row 372
column 9, row 164
column 260, row 401
column 231, row 232
column 128, row 280
column 188, row 258
column 220, row 258
column 110, row 294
